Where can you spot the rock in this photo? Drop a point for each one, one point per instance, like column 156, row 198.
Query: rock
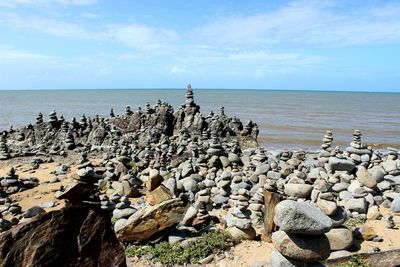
column 158, row 195
column 150, row 220
column 336, row 164
column 339, row 217
column 278, row 260
column 373, row 213
column 240, row 234
column 300, row 247
column 339, row 254
column 365, row 178
column 119, row 224
column 327, row 207
column 33, row 211
column 189, row 216
column 72, row 236
column 340, row 238
column 298, row 190
column 123, row 213
column 207, row 260
column 395, row 206
column 359, row 205
column 301, row 218
column 154, row 180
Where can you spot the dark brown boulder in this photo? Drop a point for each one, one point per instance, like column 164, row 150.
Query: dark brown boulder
column 72, row 236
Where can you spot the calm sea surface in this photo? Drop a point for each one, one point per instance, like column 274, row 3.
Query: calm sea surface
column 287, row 119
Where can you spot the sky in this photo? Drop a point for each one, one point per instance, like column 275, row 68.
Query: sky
column 348, row 45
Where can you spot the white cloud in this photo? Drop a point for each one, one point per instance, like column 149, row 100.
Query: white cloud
column 308, row 22
column 8, row 53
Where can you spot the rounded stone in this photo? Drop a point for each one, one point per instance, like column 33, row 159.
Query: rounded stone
column 340, row 238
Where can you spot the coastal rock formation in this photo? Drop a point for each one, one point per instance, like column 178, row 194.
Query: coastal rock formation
column 73, row 236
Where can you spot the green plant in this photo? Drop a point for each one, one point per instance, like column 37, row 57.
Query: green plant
column 114, row 220
column 354, row 221
column 208, row 243
column 260, row 217
column 133, row 165
column 356, row 261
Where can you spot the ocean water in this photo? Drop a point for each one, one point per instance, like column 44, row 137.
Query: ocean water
column 287, row 119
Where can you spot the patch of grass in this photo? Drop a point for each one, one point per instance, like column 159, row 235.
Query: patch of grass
column 354, row 221
column 114, row 220
column 356, row 261
column 260, row 217
column 208, row 243
column 133, row 165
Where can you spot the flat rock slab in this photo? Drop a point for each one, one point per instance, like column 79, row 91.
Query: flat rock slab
column 151, row 220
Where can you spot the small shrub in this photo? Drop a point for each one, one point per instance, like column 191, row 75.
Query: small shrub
column 208, row 243
column 354, row 221
column 356, row 261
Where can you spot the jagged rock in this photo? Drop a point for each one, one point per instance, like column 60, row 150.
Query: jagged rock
column 72, row 236
column 158, row 195
column 150, row 220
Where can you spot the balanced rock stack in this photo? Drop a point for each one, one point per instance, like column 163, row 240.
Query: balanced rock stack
column 224, row 189
column 241, row 222
column 301, row 239
column 256, row 206
column 69, row 140
column 4, row 154
column 39, row 118
column 326, row 147
column 358, row 152
column 53, row 120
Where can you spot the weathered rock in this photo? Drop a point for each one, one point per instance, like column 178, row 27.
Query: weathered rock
column 340, row 238
column 301, row 218
column 150, row 220
column 395, row 206
column 336, row 164
column 278, row 260
column 327, row 207
column 154, row 180
column 298, row 190
column 72, row 236
column 365, row 178
column 242, row 234
column 300, row 247
column 158, row 195
column 359, row 205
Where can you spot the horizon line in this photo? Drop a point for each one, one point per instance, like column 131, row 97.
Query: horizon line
column 204, row 88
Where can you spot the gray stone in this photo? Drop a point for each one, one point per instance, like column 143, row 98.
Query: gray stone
column 339, row 217
column 340, row 238
column 298, row 190
column 365, row 178
column 395, row 206
column 278, row 260
column 336, row 164
column 359, row 205
column 301, row 218
column 327, row 207
column 301, row 247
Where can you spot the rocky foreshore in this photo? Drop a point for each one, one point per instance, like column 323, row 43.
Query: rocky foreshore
column 162, row 175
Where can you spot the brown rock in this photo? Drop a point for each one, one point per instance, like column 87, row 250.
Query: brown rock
column 154, row 180
column 151, row 220
column 158, row 195
column 72, row 236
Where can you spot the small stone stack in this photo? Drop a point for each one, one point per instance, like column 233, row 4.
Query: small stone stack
column 39, row 118
column 128, row 111
column 189, row 96
column 4, row 154
column 285, row 155
column 85, row 170
column 256, row 206
column 53, row 120
column 123, row 209
column 105, row 203
column 301, row 238
column 357, row 151
column 202, row 200
column 241, row 223
column 326, row 147
column 69, row 141
column 224, row 189
column 215, row 148
column 112, row 115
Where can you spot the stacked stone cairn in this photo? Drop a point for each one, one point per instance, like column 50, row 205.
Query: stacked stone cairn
column 241, row 222
column 326, row 147
column 39, row 118
column 357, row 151
column 224, row 189
column 256, row 206
column 4, row 154
column 301, row 239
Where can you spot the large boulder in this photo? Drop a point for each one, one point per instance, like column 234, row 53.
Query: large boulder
column 72, row 236
column 301, row 247
column 150, row 220
column 301, row 218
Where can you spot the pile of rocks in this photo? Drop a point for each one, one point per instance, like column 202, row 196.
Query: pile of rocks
column 357, row 151
column 301, row 238
column 326, row 147
column 4, row 154
column 11, row 183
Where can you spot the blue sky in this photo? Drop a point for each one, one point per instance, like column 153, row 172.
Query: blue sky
column 316, row 45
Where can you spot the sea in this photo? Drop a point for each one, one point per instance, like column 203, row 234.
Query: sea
column 294, row 120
